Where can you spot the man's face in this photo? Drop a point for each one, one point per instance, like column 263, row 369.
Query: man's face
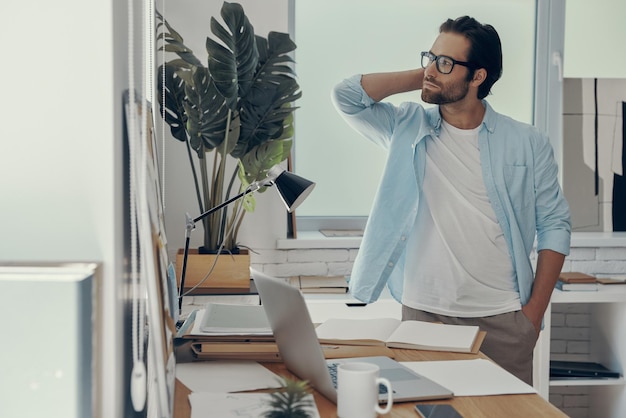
column 441, row 88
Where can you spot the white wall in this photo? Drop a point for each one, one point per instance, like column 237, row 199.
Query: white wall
column 60, row 166
column 594, row 37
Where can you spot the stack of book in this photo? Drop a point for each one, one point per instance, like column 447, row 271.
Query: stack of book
column 320, row 284
column 229, row 332
column 612, row 280
column 577, row 282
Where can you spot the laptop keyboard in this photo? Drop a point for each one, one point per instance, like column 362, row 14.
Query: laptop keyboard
column 332, row 369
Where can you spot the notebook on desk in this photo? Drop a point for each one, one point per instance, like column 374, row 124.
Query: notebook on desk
column 303, row 356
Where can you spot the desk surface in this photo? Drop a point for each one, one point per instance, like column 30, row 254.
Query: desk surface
column 510, row 406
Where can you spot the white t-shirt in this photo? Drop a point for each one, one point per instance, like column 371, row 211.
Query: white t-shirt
column 459, row 264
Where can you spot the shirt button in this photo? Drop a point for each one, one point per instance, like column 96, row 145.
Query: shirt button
column 390, row 264
column 402, row 238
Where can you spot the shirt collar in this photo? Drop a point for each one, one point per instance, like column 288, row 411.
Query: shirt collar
column 489, row 120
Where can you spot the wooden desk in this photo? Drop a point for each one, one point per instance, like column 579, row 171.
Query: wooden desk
column 510, row 406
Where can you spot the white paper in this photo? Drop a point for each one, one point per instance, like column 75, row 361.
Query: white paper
column 441, row 337
column 478, row 377
column 357, row 329
column 226, row 376
column 240, row 405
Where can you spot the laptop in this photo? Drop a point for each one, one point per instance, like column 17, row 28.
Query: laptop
column 303, row 355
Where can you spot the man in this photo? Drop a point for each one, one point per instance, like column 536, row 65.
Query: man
column 464, row 192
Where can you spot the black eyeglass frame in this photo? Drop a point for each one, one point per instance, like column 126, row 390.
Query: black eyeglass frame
column 435, row 58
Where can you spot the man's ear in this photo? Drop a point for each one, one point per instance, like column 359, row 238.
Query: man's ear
column 480, row 75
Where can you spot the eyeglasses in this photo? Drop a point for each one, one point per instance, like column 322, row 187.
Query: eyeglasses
column 444, row 64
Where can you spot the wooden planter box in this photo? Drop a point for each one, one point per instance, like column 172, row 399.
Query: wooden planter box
column 230, row 275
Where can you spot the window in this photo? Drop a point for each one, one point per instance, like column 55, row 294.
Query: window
column 337, row 39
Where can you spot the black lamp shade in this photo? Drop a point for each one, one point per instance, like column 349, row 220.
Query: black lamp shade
column 293, row 189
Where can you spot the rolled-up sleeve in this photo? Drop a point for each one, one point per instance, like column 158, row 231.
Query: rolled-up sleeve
column 349, row 97
column 374, row 120
column 552, row 213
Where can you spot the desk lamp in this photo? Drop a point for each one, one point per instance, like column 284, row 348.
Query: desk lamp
column 293, row 190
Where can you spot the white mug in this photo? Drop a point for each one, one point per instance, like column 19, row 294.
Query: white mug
column 357, row 391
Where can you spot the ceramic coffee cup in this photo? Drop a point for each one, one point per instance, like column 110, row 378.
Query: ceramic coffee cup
column 357, row 391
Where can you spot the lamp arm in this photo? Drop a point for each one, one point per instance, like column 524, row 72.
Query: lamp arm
column 248, row 190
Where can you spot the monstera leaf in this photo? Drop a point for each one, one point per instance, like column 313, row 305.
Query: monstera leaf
column 194, row 109
column 173, row 92
column 174, row 42
column 207, row 113
column 255, row 164
column 232, row 66
column 265, row 107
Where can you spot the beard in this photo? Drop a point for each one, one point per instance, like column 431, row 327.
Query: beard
column 446, row 94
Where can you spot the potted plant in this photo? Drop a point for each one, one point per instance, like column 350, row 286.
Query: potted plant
column 235, row 110
column 291, row 401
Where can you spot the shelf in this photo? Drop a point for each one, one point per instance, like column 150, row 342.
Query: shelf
column 588, row 382
column 605, row 293
column 308, row 239
column 598, row 239
column 315, row 239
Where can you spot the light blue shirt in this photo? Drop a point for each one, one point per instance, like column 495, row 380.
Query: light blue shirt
column 519, row 171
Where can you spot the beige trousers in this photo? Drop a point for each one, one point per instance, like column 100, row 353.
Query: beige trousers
column 510, row 339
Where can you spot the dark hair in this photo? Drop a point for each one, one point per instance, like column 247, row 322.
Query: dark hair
column 485, row 48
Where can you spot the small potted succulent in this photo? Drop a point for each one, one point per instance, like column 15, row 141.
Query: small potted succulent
column 291, row 401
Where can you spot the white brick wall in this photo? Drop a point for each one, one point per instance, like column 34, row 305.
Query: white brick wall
column 572, row 400
column 304, row 262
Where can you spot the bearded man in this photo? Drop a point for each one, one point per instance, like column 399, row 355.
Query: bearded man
column 464, row 194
